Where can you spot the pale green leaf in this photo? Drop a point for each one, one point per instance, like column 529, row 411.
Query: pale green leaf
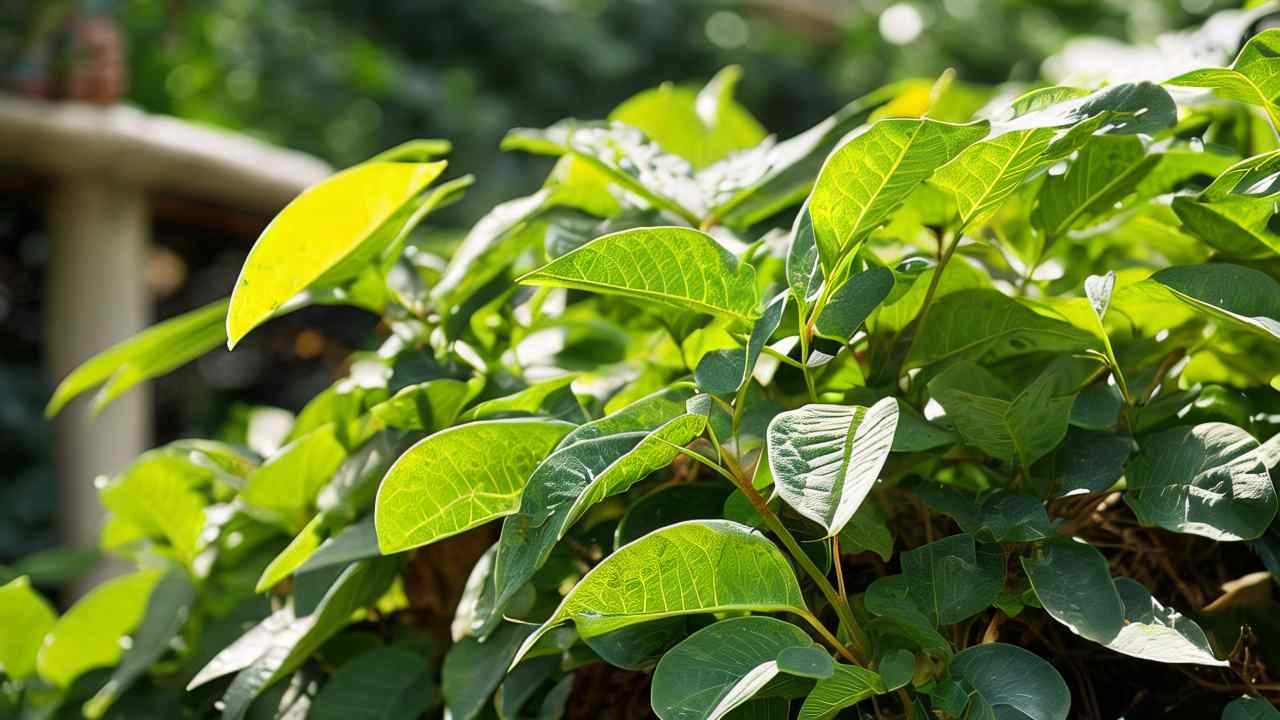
column 27, row 618
column 320, row 229
column 88, row 635
column 826, row 458
column 150, row 353
column 674, row 266
column 701, row 126
column 160, row 494
column 1106, row 170
column 289, row 481
column 459, row 478
column 428, row 406
column 1154, row 632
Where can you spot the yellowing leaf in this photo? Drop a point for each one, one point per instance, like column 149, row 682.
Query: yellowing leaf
column 321, row 228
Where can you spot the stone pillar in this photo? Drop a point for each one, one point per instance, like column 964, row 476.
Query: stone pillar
column 99, row 230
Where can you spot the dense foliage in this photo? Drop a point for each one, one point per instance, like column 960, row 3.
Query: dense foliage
column 986, row 414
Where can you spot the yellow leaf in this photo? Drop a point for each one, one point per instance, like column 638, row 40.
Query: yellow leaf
column 322, row 227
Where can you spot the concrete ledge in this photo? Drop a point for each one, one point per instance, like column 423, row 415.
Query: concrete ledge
column 156, row 152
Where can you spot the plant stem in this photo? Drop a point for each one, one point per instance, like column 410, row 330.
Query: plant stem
column 832, row 640
column 843, row 611
column 945, row 251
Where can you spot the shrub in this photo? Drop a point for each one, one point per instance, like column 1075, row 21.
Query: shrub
column 995, row 408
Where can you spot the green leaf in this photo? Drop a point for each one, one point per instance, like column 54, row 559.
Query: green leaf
column 897, row 668
column 473, row 669
column 1206, row 480
column 387, row 683
column 27, row 618
column 674, row 266
column 1085, row 462
column 986, row 325
column 853, row 302
column 803, row 267
column 1009, row 682
column 867, row 177
column 491, row 244
column 1254, row 77
column 1153, row 632
column 1241, row 296
column 88, row 635
column 625, row 156
column 570, row 481
column 1073, row 582
column 826, row 458
column 867, row 530
column 160, row 494
column 1017, row 427
column 1234, row 213
column 427, row 406
column 150, row 353
column 1250, row 708
column 352, row 543
column 321, row 228
column 986, row 173
column 459, row 478
column 722, row 666
column 848, row 686
column 691, row 567
column 289, row 481
column 671, row 504
column 948, row 580
column 552, row 398
column 1106, row 171
column 303, row 545
column 1121, row 109
column 637, row 647
column 283, row 642
column 724, row 372
column 701, row 126
column 166, row 613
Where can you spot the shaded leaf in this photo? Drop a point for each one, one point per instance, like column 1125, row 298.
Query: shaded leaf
column 848, row 686
column 1008, row 681
column 383, row 684
column 1073, row 582
column 986, row 325
column 722, row 666
column 1018, row 427
column 948, row 581
column 1205, row 480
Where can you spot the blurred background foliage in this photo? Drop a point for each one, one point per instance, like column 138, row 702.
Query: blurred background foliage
column 343, row 80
